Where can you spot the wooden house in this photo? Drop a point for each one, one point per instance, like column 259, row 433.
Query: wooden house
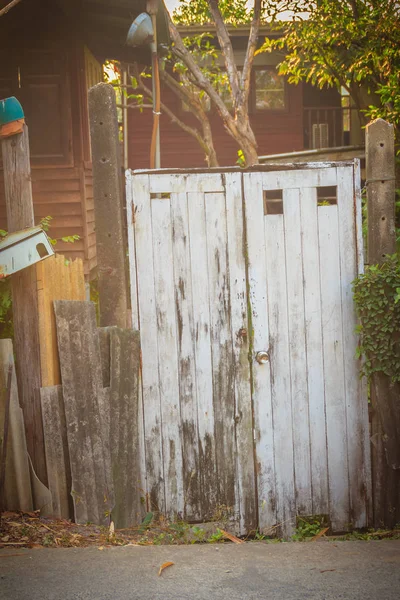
column 285, row 118
column 51, row 53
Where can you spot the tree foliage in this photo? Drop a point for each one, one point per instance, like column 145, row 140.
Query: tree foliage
column 349, row 43
column 197, row 12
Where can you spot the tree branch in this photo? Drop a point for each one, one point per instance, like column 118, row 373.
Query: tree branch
column 182, row 92
column 251, row 48
column 8, row 7
column 354, row 8
column 205, row 141
column 227, row 50
column 134, row 106
column 180, row 50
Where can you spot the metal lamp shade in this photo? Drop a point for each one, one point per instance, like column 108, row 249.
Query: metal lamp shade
column 141, row 31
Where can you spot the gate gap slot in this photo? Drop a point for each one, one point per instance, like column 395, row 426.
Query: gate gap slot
column 160, row 196
column 273, row 202
column 327, row 195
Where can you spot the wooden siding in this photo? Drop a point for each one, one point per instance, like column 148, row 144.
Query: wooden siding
column 46, row 71
column 56, row 193
column 275, row 131
column 90, row 225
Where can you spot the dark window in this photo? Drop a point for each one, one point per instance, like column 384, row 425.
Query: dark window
column 269, row 90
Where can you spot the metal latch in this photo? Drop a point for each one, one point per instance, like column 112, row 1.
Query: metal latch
column 262, row 357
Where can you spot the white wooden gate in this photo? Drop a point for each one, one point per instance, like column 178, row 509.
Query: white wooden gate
column 225, row 266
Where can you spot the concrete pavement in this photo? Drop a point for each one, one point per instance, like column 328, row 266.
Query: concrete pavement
column 256, row 570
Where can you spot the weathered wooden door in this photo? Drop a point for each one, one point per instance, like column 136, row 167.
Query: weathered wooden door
column 226, row 267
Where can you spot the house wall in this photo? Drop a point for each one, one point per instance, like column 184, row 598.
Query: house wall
column 276, row 131
column 45, row 70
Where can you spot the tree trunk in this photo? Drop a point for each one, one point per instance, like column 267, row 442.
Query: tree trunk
column 246, row 139
column 211, row 155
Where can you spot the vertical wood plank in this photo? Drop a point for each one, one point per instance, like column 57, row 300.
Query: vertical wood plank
column 246, row 505
column 364, row 386
column 134, row 303
column 130, row 218
column 221, row 347
column 332, row 329
column 280, row 369
column 149, row 344
column 260, row 340
column 315, row 363
column 186, row 357
column 56, row 280
column 202, row 333
column 167, row 333
column 356, row 401
column 297, row 351
column 124, row 426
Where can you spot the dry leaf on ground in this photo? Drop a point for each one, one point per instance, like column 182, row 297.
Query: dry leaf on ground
column 164, row 566
column 231, row 537
column 319, row 534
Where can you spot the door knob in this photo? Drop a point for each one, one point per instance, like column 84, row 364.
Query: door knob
column 262, row 357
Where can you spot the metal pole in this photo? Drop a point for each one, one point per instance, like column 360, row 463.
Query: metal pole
column 155, row 85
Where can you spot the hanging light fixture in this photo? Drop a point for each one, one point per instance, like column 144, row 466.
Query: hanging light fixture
column 144, row 31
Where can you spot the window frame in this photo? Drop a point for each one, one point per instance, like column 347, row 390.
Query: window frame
column 253, row 90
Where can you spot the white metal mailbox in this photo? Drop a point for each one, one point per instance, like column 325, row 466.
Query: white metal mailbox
column 23, row 249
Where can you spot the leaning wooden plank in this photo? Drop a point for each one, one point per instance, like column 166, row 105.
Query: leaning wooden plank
column 356, row 400
column 41, row 494
column 202, row 344
column 315, row 363
column 297, row 351
column 221, row 348
column 260, row 340
column 280, row 368
column 18, row 495
column 246, row 502
column 124, row 426
column 148, row 324
column 186, row 357
column 332, row 331
column 57, row 454
column 79, row 350
column 167, row 330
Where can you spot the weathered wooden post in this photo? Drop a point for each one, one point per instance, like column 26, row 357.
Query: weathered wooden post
column 385, row 400
column 108, row 206
column 19, row 206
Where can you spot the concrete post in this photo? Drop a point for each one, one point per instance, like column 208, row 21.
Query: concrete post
column 108, row 205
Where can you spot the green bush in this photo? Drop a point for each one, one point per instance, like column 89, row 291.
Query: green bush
column 377, row 298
